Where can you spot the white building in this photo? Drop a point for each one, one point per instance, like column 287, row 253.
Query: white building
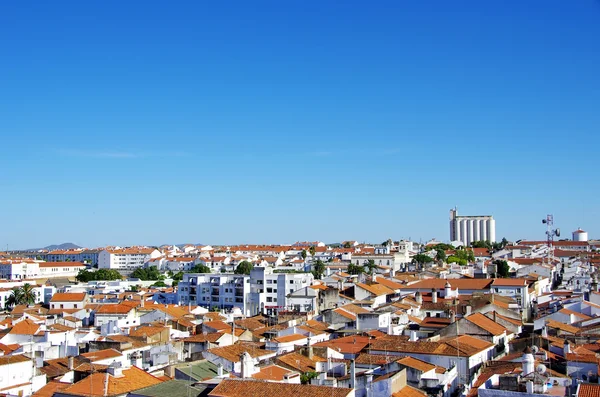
column 224, row 291
column 59, row 269
column 126, row 258
column 269, row 291
column 467, row 229
column 25, row 268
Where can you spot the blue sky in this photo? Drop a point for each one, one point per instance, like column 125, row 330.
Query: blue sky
column 268, row 121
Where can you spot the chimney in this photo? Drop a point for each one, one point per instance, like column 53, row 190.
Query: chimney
column 468, row 309
column 71, row 363
column 452, row 316
column 310, row 349
column 529, row 386
column 447, row 290
column 115, row 370
column 433, row 295
column 544, row 332
column 528, row 362
column 392, row 272
column 352, row 374
column 419, row 298
column 566, row 348
column 220, row 370
column 413, row 336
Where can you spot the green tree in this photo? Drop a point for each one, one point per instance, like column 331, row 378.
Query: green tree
column 159, row 283
column 304, row 254
column 21, row 296
column 318, row 269
column 440, row 255
column 307, row 376
column 27, row 294
column 502, row 268
column 312, row 250
column 199, row 268
column 101, row 274
column 370, row 266
column 355, row 269
column 15, row 298
column 422, row 259
column 244, row 267
column 443, row 246
column 347, row 244
column 482, row 244
column 146, row 273
column 456, row 259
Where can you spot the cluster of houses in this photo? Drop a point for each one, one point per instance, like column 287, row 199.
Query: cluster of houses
column 399, row 328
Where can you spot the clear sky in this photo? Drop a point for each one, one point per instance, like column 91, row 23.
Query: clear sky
column 252, row 121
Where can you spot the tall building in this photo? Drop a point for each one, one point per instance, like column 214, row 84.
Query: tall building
column 467, row 229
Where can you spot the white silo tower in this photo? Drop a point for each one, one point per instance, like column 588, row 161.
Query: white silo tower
column 580, row 235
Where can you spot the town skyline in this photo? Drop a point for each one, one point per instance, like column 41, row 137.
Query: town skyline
column 264, row 123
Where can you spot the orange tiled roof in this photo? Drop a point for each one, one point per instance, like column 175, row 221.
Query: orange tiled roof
column 588, row 390
column 487, row 324
column 119, row 308
column 68, row 297
column 246, row 388
column 96, row 384
column 25, row 327
column 289, row 338
column 232, row 353
column 376, row 289
column 146, row 330
column 272, row 373
column 416, row 364
column 50, row 388
column 409, row 391
column 102, row 354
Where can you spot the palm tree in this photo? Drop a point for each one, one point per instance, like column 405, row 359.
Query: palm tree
column 14, row 298
column 21, row 296
column 371, row 266
column 28, row 295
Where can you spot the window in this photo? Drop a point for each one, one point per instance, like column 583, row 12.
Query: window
column 269, row 299
column 75, row 306
column 269, row 290
column 291, row 281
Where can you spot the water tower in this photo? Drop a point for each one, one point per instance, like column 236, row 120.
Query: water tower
column 580, row 235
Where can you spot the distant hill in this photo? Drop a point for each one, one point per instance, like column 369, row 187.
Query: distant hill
column 63, row 246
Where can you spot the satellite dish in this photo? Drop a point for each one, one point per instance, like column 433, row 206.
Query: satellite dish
column 543, row 221
column 535, row 349
column 541, row 369
column 558, row 232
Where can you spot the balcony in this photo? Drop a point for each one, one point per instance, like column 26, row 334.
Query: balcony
column 239, row 292
column 215, row 291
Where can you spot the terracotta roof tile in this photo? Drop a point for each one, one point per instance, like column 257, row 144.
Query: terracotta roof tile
column 487, row 324
column 68, row 297
column 409, row 391
column 102, row 354
column 25, row 327
column 96, row 383
column 588, row 390
column 273, row 373
column 247, row 388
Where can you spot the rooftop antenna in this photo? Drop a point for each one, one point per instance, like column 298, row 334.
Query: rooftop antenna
column 550, row 234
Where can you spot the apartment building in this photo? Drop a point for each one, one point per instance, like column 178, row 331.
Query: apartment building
column 224, row 291
column 126, row 258
column 269, row 291
column 19, row 269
